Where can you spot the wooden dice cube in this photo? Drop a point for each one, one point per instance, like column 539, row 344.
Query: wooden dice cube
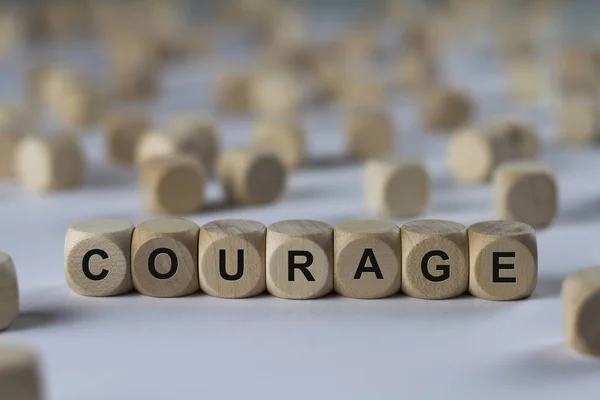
column 395, row 188
column 276, row 93
column 581, row 304
column 14, row 124
column 525, row 192
column 299, row 259
column 522, row 137
column 173, row 185
column 371, row 134
column 9, row 292
column 252, row 175
column 579, row 120
column 435, row 259
column 360, row 93
column 20, row 373
column 233, row 93
column 232, row 258
column 98, row 257
column 366, row 259
column 416, row 71
column 502, row 260
column 446, row 109
column 123, row 132
column 284, row 136
column 164, row 257
column 50, row 163
column 525, row 79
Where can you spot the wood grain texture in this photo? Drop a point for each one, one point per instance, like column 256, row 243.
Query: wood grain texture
column 252, row 175
column 164, row 257
column 366, row 259
column 9, row 292
column 299, row 259
column 284, row 136
column 446, row 109
column 50, row 163
column 435, row 259
column 581, row 304
column 502, row 260
column 238, row 246
column 526, row 192
column 123, row 132
column 371, row 133
column 20, row 374
column 173, row 184
column 396, row 188
column 98, row 257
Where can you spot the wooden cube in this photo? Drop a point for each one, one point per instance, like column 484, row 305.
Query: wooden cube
column 366, row 259
column 395, row 188
column 577, row 72
column 20, row 373
column 173, row 184
column 233, row 93
column 525, row 192
column 164, row 257
column 98, row 257
column 284, row 136
column 446, row 109
column 580, row 303
column 371, row 133
column 525, row 79
column 360, row 92
column 435, row 259
column 579, row 120
column 123, row 132
column 416, row 71
column 9, row 292
column 523, row 138
column 232, row 258
column 502, row 260
column 252, row 175
column 50, row 163
column 276, row 93
column 14, row 124
column 299, row 259
column 136, row 83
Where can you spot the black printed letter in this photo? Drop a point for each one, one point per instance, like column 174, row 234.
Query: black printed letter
column 496, row 278
column 86, row 265
column 444, row 268
column 152, row 263
column 222, row 266
column 292, row 265
column 368, row 255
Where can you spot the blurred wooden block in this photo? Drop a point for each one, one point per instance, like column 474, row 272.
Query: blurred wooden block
column 173, row 184
column 276, row 93
column 284, row 136
column 416, row 71
column 371, row 134
column 14, row 125
column 503, row 260
column 525, row 79
column 12, row 31
column 136, row 83
column 232, row 258
column 446, row 109
column 50, row 163
column 164, row 257
column 523, row 138
column 359, row 93
column 394, row 188
column 20, row 373
column 474, row 154
column 579, row 120
column 9, row 292
column 123, row 132
column 526, row 192
column 366, row 259
column 580, row 303
column 435, row 259
column 578, row 72
column 233, row 93
column 299, row 259
column 252, row 175
column 98, row 257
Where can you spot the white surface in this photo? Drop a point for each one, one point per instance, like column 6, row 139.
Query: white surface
column 135, row 347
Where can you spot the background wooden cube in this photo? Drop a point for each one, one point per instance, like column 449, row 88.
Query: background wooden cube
column 526, row 192
column 581, row 304
column 395, row 188
column 371, row 133
column 435, row 259
column 15, row 123
column 123, row 132
column 232, row 258
column 277, row 93
column 579, row 120
column 98, row 257
column 9, row 292
column 502, row 260
column 233, row 93
column 366, row 259
column 446, row 109
column 20, row 373
column 164, row 257
column 284, row 136
column 526, row 79
column 299, row 259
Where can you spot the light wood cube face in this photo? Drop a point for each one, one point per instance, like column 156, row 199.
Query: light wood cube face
column 276, row 93
column 231, row 257
column 503, row 260
column 370, row 134
column 197, row 138
column 525, row 80
column 233, row 93
column 581, row 304
column 98, row 257
column 285, row 137
column 367, row 259
column 19, row 374
column 446, row 109
column 578, row 121
column 8, row 146
column 435, row 258
column 395, row 188
column 299, row 259
column 526, row 192
column 123, row 133
column 9, row 292
column 164, row 257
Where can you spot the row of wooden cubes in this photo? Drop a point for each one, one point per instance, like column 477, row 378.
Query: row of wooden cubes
column 302, row 259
